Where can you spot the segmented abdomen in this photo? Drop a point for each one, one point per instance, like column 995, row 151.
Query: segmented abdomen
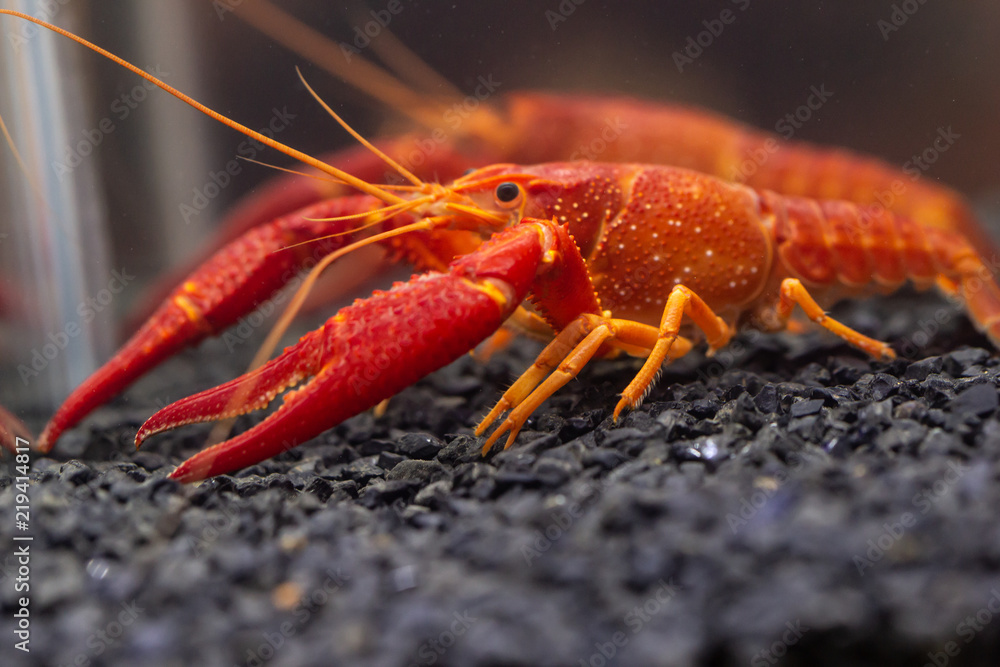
column 834, row 242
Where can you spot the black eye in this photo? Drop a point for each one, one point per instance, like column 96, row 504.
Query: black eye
column 507, row 192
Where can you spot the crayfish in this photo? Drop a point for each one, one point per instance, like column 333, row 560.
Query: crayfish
column 624, row 255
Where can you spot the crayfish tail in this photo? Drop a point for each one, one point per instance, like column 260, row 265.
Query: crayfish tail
column 981, row 294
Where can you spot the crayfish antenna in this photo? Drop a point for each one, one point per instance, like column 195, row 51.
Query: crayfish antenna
column 407, row 64
column 305, row 158
column 317, row 49
column 32, row 183
column 403, row 171
column 362, row 74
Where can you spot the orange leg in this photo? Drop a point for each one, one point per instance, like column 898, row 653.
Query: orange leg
column 561, row 361
column 680, row 302
column 794, row 293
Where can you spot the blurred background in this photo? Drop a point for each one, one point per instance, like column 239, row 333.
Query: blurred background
column 83, row 226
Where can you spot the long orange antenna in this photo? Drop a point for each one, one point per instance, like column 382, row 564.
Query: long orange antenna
column 364, row 142
column 21, row 164
column 353, row 181
column 316, row 48
column 407, row 64
column 359, row 72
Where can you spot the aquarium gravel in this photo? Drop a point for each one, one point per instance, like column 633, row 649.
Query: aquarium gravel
column 794, row 504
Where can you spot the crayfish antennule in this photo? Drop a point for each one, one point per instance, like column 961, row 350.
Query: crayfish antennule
column 403, row 171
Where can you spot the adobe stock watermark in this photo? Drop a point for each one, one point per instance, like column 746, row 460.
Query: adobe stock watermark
column 432, row 650
column 892, row 532
column 121, row 108
column 793, row 633
column 562, row 12
column 786, row 126
column 224, row 7
column 444, row 306
column 914, row 168
column 634, row 620
column 900, row 14
column 46, row 10
column 966, row 630
column 562, row 519
column 218, row 181
column 611, row 131
column 750, row 505
column 696, row 44
column 452, row 120
column 215, row 526
column 87, row 310
column 243, row 329
column 306, row 607
column 99, row 641
column 926, row 328
column 365, row 33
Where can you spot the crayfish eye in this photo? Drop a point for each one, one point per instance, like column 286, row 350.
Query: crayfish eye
column 508, row 195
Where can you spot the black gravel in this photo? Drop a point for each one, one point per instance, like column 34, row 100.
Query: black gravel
column 791, row 504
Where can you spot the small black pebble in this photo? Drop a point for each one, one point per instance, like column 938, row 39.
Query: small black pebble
column 766, row 399
column 149, row 460
column 805, row 408
column 461, row 449
column 419, row 446
column 919, row 370
column 361, row 471
column 321, row 488
column 389, row 460
column 424, row 472
column 605, row 457
column 882, row 385
column 76, row 473
column 910, row 410
column 555, row 472
column 956, row 362
column 373, row 447
column 386, row 493
column 344, row 490
column 979, row 399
